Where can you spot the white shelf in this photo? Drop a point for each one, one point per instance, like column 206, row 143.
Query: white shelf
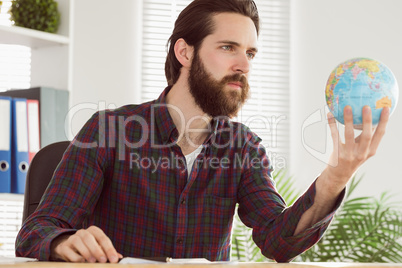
column 32, row 38
column 11, row 197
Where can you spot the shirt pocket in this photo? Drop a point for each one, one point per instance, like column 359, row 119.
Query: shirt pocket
column 220, row 209
column 217, row 224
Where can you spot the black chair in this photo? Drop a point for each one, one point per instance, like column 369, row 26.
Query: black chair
column 39, row 173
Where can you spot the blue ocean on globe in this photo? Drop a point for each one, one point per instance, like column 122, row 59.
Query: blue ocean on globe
column 358, row 82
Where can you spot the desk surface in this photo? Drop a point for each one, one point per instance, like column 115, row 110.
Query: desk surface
column 220, row 265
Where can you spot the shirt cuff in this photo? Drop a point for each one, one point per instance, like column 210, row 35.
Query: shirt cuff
column 305, row 202
column 45, row 250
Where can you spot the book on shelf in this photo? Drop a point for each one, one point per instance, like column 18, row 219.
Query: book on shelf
column 53, row 109
column 31, row 119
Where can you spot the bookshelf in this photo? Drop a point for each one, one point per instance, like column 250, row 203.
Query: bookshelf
column 51, row 66
column 31, row 38
column 11, row 197
column 51, row 63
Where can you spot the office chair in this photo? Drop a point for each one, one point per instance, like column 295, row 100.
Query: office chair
column 39, row 173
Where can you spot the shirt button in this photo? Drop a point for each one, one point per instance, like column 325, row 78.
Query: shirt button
column 179, row 241
column 183, row 201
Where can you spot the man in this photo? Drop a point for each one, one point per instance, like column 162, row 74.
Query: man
column 163, row 178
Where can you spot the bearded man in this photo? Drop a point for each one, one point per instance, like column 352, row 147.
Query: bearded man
column 162, row 179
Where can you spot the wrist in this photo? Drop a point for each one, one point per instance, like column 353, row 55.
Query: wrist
column 55, row 245
column 329, row 186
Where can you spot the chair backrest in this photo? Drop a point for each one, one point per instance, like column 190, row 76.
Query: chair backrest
column 39, row 174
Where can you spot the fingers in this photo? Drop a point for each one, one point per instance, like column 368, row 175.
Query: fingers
column 365, row 137
column 87, row 245
column 90, row 245
column 71, row 255
column 334, row 130
column 380, row 131
column 105, row 246
column 349, row 130
column 348, row 157
column 60, row 250
column 333, row 161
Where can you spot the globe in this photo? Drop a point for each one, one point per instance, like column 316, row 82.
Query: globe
column 359, row 82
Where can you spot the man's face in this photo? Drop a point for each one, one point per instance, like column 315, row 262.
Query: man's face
column 219, row 69
column 210, row 94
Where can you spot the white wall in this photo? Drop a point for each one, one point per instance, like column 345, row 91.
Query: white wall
column 107, row 68
column 106, row 53
column 325, row 33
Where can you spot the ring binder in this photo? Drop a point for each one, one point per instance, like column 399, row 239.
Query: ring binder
column 5, row 144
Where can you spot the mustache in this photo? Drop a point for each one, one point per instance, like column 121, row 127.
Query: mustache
column 235, row 78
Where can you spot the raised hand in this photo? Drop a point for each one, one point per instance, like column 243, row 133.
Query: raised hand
column 347, row 157
column 344, row 161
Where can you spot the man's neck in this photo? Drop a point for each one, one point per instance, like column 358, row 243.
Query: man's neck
column 191, row 122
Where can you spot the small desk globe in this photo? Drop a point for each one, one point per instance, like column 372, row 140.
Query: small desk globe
column 358, row 82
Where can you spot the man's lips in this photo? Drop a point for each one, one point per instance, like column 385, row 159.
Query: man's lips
column 236, row 84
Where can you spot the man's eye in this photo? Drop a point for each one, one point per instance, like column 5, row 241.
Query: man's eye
column 251, row 55
column 227, row 48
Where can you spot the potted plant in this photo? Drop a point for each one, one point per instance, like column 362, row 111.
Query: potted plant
column 42, row 15
column 365, row 229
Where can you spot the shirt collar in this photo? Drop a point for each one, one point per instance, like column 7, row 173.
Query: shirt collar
column 164, row 122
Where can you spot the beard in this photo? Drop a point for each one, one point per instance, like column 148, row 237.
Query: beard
column 210, row 94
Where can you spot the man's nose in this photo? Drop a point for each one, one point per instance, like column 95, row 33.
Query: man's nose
column 242, row 64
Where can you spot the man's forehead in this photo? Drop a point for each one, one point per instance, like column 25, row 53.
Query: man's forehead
column 234, row 28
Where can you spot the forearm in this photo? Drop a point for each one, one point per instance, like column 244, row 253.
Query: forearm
column 325, row 199
column 274, row 231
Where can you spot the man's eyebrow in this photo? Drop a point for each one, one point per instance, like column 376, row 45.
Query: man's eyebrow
column 228, row 42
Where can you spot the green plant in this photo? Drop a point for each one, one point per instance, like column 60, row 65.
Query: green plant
column 42, row 15
column 365, row 229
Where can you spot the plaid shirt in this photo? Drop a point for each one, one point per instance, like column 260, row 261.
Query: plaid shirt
column 125, row 173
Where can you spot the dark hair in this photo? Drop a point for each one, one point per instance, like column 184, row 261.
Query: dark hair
column 195, row 23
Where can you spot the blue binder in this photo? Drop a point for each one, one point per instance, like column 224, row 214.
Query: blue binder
column 19, row 153
column 5, row 144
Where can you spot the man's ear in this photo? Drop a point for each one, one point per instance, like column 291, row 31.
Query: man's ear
column 183, row 52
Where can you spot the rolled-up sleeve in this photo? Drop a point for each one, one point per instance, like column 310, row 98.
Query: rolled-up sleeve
column 263, row 209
